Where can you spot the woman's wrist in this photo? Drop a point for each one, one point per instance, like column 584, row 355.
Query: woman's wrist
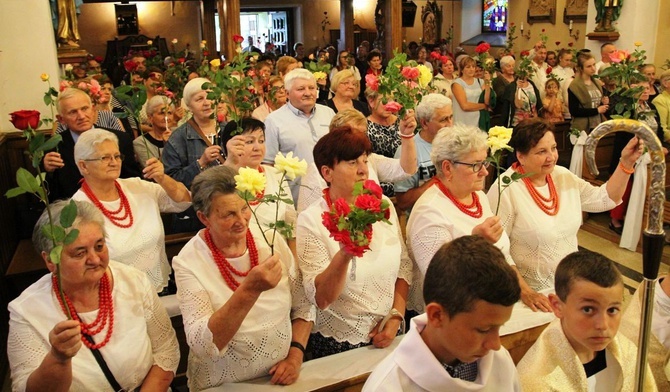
column 627, row 167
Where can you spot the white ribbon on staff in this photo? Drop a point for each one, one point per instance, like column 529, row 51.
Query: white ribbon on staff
column 577, row 160
column 633, row 224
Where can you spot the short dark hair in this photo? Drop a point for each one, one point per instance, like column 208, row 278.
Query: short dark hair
column 340, row 144
column 372, row 54
column 468, row 269
column 588, row 266
column 247, row 124
column 528, row 133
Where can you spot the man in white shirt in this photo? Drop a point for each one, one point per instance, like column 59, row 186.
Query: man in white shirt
column 565, row 71
column 605, row 51
column 540, row 66
column 455, row 346
column 298, row 125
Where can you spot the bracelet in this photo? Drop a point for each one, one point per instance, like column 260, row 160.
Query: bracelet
column 197, row 162
column 402, row 135
column 298, row 346
column 624, row 169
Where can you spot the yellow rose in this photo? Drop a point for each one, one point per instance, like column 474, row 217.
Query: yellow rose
column 44, row 77
column 425, row 75
column 294, row 167
column 174, row 41
column 150, row 42
column 501, row 133
column 319, row 75
column 637, row 43
column 250, row 180
column 496, row 144
column 216, row 63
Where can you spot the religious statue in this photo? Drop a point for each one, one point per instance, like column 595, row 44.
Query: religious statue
column 67, row 31
column 380, row 24
column 607, row 11
column 430, row 16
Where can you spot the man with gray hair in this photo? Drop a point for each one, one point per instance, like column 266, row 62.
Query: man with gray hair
column 75, row 111
column 298, row 125
column 433, row 113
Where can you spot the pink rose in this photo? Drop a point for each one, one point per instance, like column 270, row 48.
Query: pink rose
column 368, row 202
column 373, row 187
column 64, row 84
column 410, row 73
column 220, row 117
column 393, row 107
column 94, row 87
column 372, row 81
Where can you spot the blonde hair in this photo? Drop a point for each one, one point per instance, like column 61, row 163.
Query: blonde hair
column 351, row 117
column 339, row 78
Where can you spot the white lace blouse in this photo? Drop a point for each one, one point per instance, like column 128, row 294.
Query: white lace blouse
column 264, row 336
column 142, row 335
column 365, row 300
column 540, row 241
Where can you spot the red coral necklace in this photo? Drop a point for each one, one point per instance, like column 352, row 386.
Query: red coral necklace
column 227, row 270
column 105, row 313
column 118, row 216
column 474, row 209
column 549, row 205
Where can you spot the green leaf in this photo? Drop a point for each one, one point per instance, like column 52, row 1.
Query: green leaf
column 55, row 253
column 71, row 236
column 37, row 141
column 506, row 180
column 58, row 233
column 50, row 144
column 68, row 214
column 14, row 192
column 41, row 194
column 26, row 181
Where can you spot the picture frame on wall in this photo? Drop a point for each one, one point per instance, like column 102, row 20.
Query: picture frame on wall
column 575, row 10
column 541, row 11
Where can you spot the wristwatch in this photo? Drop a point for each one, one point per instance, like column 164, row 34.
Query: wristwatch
column 394, row 313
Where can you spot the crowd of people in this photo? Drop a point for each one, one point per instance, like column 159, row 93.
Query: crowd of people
column 255, row 307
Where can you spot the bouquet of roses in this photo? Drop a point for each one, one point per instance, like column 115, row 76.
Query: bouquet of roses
column 484, row 59
column 250, row 185
column 404, row 81
column 498, row 141
column 624, row 71
column 351, row 225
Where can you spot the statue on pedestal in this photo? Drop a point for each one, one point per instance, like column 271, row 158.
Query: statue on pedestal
column 607, row 11
column 64, row 14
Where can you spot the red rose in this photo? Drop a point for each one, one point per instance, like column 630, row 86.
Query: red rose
column 328, row 222
column 444, row 59
column 511, row 24
column 410, row 73
column 220, row 117
column 387, row 214
column 205, row 53
column 549, row 69
column 543, row 30
column 558, row 43
column 238, row 39
column 342, row 207
column 130, row 66
column 181, row 60
column 372, row 81
column 482, row 48
column 368, row 202
column 373, row 187
column 393, row 106
column 570, row 44
column 98, row 59
column 435, row 55
column 525, row 53
column 24, row 119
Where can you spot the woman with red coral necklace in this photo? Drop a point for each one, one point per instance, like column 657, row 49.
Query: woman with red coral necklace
column 543, row 212
column 360, row 302
column 244, row 310
column 131, row 206
column 114, row 310
column 456, row 206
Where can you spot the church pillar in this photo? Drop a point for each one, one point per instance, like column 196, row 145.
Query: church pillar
column 229, row 20
column 346, row 25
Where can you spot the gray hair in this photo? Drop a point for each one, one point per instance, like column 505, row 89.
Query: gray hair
column 69, row 93
column 89, row 140
column 429, row 104
column 86, row 213
column 219, row 180
column 506, row 60
column 193, row 87
column 298, row 73
column 155, row 102
column 452, row 144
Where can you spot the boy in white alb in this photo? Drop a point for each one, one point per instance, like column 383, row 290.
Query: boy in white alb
column 469, row 292
column 580, row 351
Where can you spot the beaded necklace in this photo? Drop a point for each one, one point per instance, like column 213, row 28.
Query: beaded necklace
column 118, row 216
column 105, row 313
column 549, row 205
column 226, row 269
column 474, row 209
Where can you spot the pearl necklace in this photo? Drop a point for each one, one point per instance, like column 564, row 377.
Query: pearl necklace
column 549, row 205
column 227, row 271
column 105, row 313
column 116, row 217
column 474, row 209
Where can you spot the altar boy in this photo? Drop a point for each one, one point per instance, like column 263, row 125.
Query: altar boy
column 580, row 350
column 469, row 291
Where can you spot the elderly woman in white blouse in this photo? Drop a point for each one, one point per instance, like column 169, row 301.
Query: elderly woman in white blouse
column 455, row 206
column 543, row 212
column 353, row 298
column 115, row 311
column 243, row 307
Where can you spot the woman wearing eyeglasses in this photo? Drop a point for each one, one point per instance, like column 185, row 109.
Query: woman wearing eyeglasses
column 131, row 206
column 455, row 205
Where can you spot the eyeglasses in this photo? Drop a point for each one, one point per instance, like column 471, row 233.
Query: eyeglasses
column 476, row 167
column 107, row 158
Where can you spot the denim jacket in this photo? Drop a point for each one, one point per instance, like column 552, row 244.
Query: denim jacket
column 181, row 153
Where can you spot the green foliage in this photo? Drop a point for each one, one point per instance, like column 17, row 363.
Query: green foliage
column 624, row 74
column 394, row 86
column 175, row 78
column 132, row 98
